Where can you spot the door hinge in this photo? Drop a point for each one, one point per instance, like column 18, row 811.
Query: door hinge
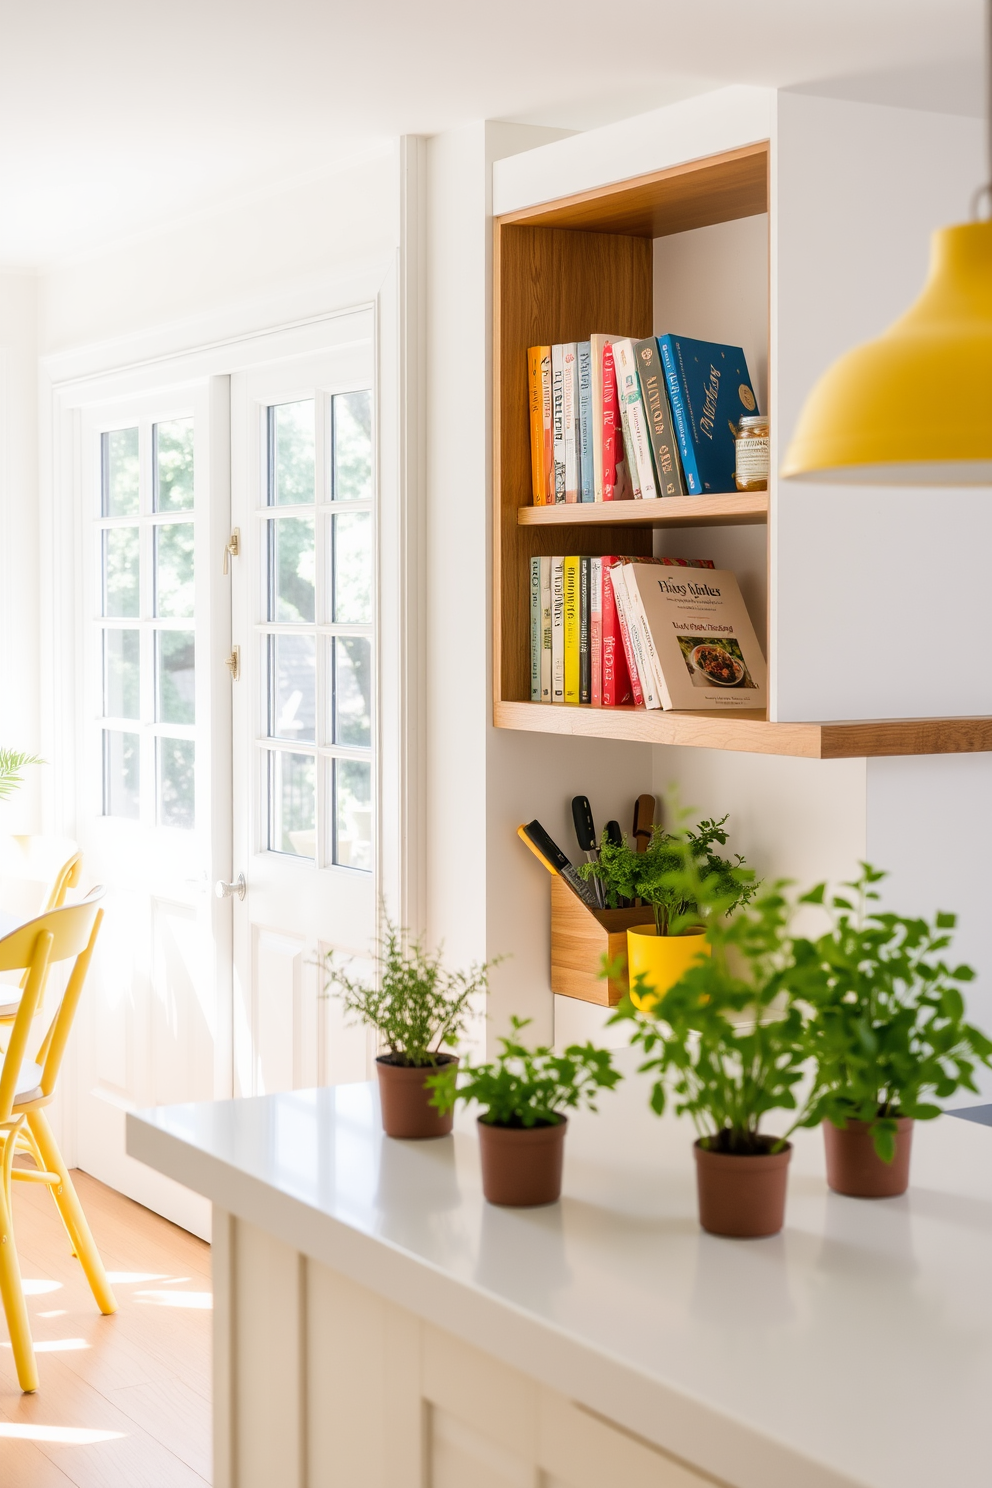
column 233, row 663
column 232, row 548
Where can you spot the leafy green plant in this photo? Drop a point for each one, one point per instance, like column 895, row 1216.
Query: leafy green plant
column 678, row 875
column 12, row 762
column 527, row 1087
column 888, row 1028
column 417, row 1005
column 727, row 1042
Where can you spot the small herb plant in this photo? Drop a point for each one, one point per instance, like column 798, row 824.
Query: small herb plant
column 12, row 762
column 727, row 1042
column 418, row 1006
column 527, row 1087
column 888, row 1028
column 677, row 875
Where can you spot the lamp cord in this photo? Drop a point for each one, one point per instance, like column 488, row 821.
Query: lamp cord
column 986, row 190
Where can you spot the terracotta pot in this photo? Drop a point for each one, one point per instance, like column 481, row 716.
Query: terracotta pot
column 405, row 1099
column 521, row 1165
column 855, row 1168
column 661, row 959
column 742, row 1196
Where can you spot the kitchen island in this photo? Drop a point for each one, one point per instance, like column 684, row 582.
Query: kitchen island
column 378, row 1325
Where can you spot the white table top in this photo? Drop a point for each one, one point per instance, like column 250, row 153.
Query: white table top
column 854, row 1348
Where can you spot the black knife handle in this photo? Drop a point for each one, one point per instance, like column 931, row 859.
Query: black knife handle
column 585, row 831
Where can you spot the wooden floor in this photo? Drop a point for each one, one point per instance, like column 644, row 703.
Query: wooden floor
column 124, row 1400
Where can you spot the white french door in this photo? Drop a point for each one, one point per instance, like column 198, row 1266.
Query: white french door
column 152, row 776
column 177, row 774
column 304, row 503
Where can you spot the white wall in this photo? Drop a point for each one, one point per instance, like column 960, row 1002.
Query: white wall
column 19, row 570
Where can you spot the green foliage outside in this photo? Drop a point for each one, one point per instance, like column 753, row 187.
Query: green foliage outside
column 12, row 763
column 417, row 1006
column 727, row 1042
column 527, row 1087
column 887, row 1023
column 677, row 875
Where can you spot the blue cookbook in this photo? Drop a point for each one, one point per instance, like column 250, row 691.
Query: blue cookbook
column 710, row 391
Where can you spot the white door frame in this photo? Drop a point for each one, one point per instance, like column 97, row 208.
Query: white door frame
column 72, row 380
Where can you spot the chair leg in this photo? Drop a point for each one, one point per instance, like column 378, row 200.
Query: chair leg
column 72, row 1213
column 14, row 1306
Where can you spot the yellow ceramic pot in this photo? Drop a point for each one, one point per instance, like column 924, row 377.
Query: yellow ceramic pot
column 660, row 959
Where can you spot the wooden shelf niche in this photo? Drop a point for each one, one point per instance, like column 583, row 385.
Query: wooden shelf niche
column 586, row 263
column 562, row 270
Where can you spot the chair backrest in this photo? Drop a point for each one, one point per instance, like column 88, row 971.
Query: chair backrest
column 36, row 872
column 59, row 935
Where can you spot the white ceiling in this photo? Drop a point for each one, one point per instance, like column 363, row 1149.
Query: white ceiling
column 120, row 115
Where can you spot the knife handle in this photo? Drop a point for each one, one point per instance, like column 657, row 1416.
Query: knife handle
column 585, row 830
column 643, row 822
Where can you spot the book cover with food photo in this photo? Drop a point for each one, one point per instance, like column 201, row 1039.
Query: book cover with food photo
column 701, row 642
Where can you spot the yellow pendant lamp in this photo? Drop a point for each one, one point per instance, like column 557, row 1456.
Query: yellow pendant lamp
column 913, row 407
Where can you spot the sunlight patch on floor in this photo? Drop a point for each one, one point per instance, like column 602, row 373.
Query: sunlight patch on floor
column 55, row 1345
column 202, row 1300
column 37, row 1288
column 124, row 1278
column 71, row 1436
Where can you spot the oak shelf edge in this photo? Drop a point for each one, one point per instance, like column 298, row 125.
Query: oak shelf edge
column 752, row 733
column 745, row 510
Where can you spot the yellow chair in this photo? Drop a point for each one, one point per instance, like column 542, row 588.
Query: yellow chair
column 36, row 873
column 28, row 1085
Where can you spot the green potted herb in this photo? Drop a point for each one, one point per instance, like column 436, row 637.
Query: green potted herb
column 417, row 1007
column 668, row 877
column 524, row 1094
column 726, row 1044
column 888, row 1033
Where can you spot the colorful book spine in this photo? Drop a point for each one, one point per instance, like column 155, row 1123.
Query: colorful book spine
column 539, row 398
column 558, row 421
column 535, row 630
column 570, row 419
column 596, row 632
column 619, row 595
column 571, row 629
column 587, row 490
column 585, row 658
column 637, row 439
column 680, row 418
column 617, row 691
column 642, row 642
column 597, row 349
column 545, row 630
column 640, row 646
column 557, row 630
column 659, row 418
column 611, row 423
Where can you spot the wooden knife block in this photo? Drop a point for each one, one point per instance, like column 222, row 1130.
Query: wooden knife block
column 580, row 938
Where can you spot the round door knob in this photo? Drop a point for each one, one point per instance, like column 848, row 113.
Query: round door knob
column 225, row 890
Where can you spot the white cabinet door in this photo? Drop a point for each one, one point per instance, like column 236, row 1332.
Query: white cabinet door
column 304, row 486
column 152, row 770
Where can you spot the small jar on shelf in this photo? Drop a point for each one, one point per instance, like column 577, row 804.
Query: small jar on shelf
column 751, row 447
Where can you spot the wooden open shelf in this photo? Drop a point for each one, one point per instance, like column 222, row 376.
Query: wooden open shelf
column 752, row 733
column 744, row 510
column 564, row 269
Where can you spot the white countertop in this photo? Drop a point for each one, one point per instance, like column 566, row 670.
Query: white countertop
column 854, row 1348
